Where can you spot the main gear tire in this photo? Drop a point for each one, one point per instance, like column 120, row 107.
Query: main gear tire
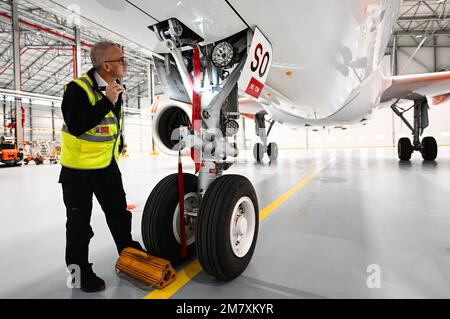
column 404, row 149
column 161, row 218
column 227, row 227
column 429, row 148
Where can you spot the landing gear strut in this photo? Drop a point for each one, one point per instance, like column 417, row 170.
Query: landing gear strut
column 428, row 146
column 259, row 149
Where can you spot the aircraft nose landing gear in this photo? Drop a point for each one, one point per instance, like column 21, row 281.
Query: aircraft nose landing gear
column 221, row 214
column 428, row 146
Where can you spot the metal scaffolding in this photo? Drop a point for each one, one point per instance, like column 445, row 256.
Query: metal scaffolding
column 50, row 51
column 422, row 25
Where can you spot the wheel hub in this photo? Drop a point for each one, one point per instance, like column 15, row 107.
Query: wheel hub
column 242, row 227
column 191, row 206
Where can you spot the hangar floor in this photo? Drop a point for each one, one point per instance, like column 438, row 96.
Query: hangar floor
column 361, row 212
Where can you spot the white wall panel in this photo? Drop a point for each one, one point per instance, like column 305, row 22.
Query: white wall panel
column 138, row 129
column 383, row 130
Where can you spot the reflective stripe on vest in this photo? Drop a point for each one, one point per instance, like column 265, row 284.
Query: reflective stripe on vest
column 91, row 89
column 95, row 148
column 91, row 138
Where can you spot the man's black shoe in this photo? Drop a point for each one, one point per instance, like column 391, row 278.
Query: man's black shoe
column 90, row 282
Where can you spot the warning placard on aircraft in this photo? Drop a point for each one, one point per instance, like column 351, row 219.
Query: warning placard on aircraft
column 257, row 66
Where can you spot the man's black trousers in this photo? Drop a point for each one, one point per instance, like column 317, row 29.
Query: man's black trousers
column 78, row 190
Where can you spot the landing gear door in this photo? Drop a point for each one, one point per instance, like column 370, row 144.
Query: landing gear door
column 257, row 65
column 171, row 80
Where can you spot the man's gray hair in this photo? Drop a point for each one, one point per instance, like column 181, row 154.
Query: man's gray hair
column 98, row 52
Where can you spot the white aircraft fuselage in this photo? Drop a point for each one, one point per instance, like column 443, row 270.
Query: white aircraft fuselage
column 331, row 68
column 328, row 56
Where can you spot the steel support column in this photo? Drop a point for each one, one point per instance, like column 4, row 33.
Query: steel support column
column 30, row 121
column 4, row 114
column 395, row 57
column 435, row 53
column 151, row 83
column 394, row 72
column 16, row 59
column 139, row 97
column 151, row 95
column 77, row 62
column 53, row 122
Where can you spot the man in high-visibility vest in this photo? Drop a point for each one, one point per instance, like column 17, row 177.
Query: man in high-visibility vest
column 90, row 142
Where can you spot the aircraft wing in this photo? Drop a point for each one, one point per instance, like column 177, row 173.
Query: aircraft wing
column 410, row 87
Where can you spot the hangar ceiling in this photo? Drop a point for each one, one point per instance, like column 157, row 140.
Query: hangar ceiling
column 423, row 26
column 430, row 17
column 47, row 43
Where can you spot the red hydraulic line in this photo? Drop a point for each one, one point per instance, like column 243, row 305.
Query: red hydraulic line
column 196, row 107
column 183, row 253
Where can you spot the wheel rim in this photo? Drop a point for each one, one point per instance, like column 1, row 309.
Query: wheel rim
column 242, row 227
column 256, row 152
column 274, row 151
column 191, row 202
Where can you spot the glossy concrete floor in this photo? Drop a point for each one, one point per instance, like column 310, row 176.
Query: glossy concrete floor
column 365, row 220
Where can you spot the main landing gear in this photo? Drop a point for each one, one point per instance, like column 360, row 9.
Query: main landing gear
column 221, row 214
column 259, row 149
column 428, row 146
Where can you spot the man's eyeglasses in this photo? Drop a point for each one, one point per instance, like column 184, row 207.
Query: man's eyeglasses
column 121, row 61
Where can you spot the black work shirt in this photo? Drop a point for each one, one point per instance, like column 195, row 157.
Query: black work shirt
column 80, row 116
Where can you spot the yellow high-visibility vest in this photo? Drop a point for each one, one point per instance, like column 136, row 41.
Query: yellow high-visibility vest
column 95, row 148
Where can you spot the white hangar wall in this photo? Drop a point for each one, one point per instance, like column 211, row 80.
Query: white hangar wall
column 138, row 129
column 382, row 130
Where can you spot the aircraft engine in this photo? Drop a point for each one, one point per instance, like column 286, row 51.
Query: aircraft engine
column 169, row 118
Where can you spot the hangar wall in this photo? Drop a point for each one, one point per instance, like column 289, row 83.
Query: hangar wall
column 138, row 129
column 383, row 130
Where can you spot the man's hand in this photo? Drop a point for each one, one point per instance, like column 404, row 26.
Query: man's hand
column 113, row 91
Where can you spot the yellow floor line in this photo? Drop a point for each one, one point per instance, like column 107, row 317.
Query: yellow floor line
column 271, row 207
column 193, row 269
column 183, row 277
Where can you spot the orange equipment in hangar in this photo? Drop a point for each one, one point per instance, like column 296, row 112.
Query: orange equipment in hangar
column 9, row 154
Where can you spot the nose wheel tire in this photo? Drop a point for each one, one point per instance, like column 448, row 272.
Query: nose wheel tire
column 405, row 149
column 161, row 218
column 258, row 152
column 227, row 227
column 272, row 151
column 430, row 148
